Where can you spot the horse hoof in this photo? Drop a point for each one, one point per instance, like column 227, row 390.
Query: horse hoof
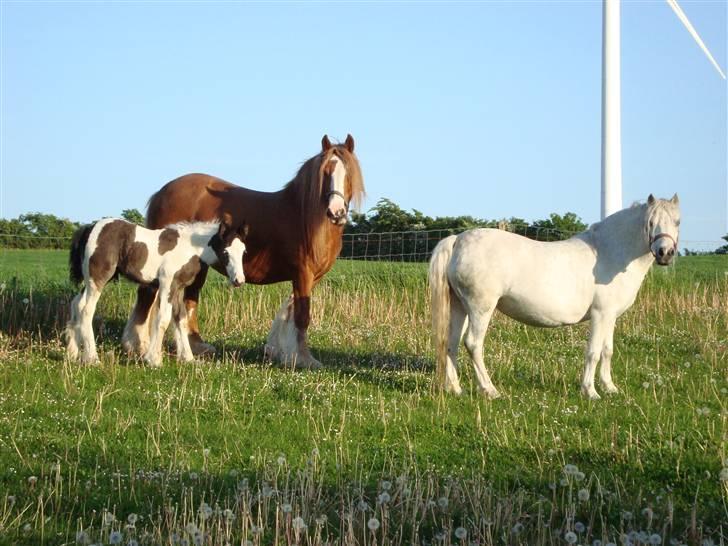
column 203, row 349
column 454, row 389
column 611, row 389
column 590, row 394
column 491, row 394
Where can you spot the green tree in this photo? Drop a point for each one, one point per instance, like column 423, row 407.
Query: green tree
column 724, row 248
column 133, row 216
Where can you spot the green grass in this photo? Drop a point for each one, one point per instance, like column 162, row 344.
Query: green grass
column 124, row 439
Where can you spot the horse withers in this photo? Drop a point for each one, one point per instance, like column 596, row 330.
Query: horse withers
column 295, row 235
column 168, row 258
column 594, row 276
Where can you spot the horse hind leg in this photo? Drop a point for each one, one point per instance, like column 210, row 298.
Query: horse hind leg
column 135, row 339
column 181, row 330
column 474, row 339
column 74, row 337
column 458, row 321
column 601, row 328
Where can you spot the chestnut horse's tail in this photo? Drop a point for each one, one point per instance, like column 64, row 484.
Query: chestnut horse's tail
column 78, row 249
column 440, row 304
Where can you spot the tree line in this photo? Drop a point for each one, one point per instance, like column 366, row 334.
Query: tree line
column 394, row 231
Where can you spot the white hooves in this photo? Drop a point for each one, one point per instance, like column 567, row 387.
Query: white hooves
column 610, row 388
column 298, row 360
column 590, row 393
column 153, row 361
column 90, row 360
column 454, row 389
column 491, row 393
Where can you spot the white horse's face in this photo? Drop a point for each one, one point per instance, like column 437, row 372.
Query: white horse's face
column 234, row 266
column 663, row 228
column 335, row 172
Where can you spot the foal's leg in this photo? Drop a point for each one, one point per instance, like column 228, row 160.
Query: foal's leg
column 601, row 326
column 181, row 330
column 135, row 338
column 474, row 338
column 87, row 308
column 164, row 314
column 458, row 319
column 74, row 338
column 605, row 369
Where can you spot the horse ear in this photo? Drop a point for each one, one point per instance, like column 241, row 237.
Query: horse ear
column 675, row 200
column 651, row 200
column 325, row 143
column 349, row 143
column 243, row 230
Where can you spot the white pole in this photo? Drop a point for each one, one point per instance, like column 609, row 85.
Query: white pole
column 611, row 110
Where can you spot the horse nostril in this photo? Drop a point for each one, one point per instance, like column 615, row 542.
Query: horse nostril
column 661, row 252
column 671, row 252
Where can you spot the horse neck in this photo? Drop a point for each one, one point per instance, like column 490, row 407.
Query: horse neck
column 621, row 237
column 197, row 238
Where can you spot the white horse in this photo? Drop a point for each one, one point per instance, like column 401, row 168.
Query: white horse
column 170, row 257
column 594, row 276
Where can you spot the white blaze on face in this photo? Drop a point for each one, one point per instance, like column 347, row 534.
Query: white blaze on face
column 337, row 205
column 235, row 262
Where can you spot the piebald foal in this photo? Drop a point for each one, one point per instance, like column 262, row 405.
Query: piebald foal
column 170, row 258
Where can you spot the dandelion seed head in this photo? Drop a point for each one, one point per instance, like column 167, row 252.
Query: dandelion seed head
column 115, row 537
column 32, row 480
column 298, row 523
column 281, row 460
column 583, row 495
column 517, row 528
column 579, row 527
column 571, row 469
column 132, row 518
column 654, row 538
column 724, row 474
column 362, row 506
column 442, row 502
column 570, row 537
column 386, row 485
column 579, row 476
column 384, row 497
column 373, row 524
column 286, row 508
column 191, row 528
column 461, row 533
column 206, row 452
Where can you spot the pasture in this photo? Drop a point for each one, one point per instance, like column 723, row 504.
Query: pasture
column 233, row 450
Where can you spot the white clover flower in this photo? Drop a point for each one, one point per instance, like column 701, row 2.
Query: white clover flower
column 461, row 533
column 579, row 527
column 315, row 452
column 248, row 543
column 267, row 491
column 583, row 495
column 564, row 482
column 655, row 539
column 570, row 537
column 287, row 508
column 115, row 537
column 298, row 523
column 384, row 497
column 386, row 485
column 442, row 502
column 373, row 524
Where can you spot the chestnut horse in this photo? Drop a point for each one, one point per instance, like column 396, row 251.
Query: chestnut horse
column 295, row 235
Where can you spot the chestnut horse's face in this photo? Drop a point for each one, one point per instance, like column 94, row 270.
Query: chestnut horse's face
column 335, row 190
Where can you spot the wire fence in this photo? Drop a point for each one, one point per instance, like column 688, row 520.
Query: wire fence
column 392, row 246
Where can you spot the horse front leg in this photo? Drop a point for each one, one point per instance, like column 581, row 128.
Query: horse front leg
column 602, row 325
column 287, row 340
column 191, row 300
column 605, row 368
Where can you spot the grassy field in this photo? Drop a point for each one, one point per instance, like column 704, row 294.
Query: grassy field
column 233, row 450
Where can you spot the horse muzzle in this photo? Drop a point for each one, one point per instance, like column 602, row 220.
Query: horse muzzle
column 337, row 218
column 236, row 283
column 664, row 256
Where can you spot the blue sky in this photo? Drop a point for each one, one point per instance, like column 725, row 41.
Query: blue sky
column 490, row 109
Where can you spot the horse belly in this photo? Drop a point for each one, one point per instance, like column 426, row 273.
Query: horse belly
column 546, row 313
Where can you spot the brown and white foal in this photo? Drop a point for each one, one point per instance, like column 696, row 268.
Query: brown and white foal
column 170, row 258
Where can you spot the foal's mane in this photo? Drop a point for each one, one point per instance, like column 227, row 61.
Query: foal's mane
column 309, row 191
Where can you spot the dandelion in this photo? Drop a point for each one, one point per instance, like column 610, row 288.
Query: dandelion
column 373, row 524
column 583, row 495
column 32, row 480
column 627, row 516
column 11, row 499
column 27, row 528
column 579, row 476
column 132, row 542
column 571, row 469
column 206, row 452
column 228, row 514
column 579, row 527
column 362, row 506
column 115, row 537
column 386, row 485
column 287, row 508
column 109, row 518
column 298, row 523
column 517, row 528
column 322, row 519
column 597, row 542
column 645, row 385
column 647, row 512
column 384, row 497
column 281, row 460
column 198, row 539
column 724, row 474
column 442, row 502
column 132, row 518
column 191, row 528
column 82, row 537
column 205, row 511
column 461, row 533
column 193, row 476
column 570, row 537
column 655, row 539
column 26, row 301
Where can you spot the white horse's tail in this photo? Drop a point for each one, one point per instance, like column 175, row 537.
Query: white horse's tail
column 440, row 304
